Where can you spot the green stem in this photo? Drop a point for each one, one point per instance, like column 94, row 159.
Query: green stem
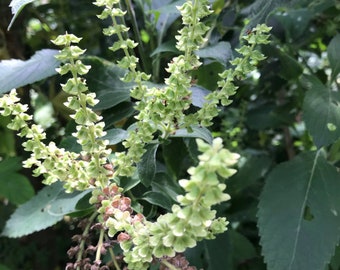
column 113, row 256
column 99, row 245
column 85, row 233
column 169, row 265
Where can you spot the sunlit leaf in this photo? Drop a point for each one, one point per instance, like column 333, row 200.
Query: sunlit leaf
column 16, row 73
column 16, row 7
column 42, row 211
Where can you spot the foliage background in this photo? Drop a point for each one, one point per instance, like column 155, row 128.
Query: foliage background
column 284, row 121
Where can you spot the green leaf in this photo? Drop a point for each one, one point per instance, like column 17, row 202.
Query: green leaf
column 17, row 6
column 254, row 168
column 115, row 135
column 165, row 184
column 198, row 95
column 197, row 132
column 104, row 78
column 147, row 166
column 174, row 154
column 159, row 199
column 321, row 112
column 168, row 46
column 299, row 202
column 42, row 211
column 221, row 52
column 16, row 73
column 294, row 22
column 127, row 183
column 242, row 248
column 14, row 186
column 333, row 54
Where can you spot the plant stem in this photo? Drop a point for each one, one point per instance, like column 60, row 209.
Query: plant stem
column 169, row 265
column 113, row 256
column 99, row 245
column 85, row 233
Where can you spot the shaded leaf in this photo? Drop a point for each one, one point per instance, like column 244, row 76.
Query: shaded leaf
column 321, row 112
column 168, row 13
column 147, row 166
column 42, row 211
column 10, row 180
column 168, row 46
column 16, row 73
column 253, row 168
column 197, row 132
column 221, row 52
column 165, row 184
column 334, row 56
column 242, row 248
column 115, row 135
column 300, row 199
column 198, row 95
column 104, row 78
column 157, row 198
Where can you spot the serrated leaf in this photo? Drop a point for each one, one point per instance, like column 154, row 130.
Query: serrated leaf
column 197, row 132
column 299, row 201
column 104, row 78
column 333, row 54
column 16, row 73
column 157, row 198
column 321, row 111
column 16, row 7
column 41, row 211
column 146, row 168
column 14, row 186
column 221, row 52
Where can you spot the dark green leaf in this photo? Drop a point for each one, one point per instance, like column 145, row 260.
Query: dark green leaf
column 221, row 52
column 169, row 46
column 147, row 166
column 157, row 198
column 333, row 53
column 198, row 132
column 299, row 201
column 104, row 78
column 16, row 73
column 174, row 154
column 321, row 112
column 294, row 22
column 164, row 184
column 242, row 248
column 128, row 183
column 253, row 168
column 207, row 75
column 115, row 135
column 198, row 95
column 14, row 186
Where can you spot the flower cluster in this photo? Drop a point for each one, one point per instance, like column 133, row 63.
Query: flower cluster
column 77, row 171
column 160, row 109
column 190, row 221
column 242, row 66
